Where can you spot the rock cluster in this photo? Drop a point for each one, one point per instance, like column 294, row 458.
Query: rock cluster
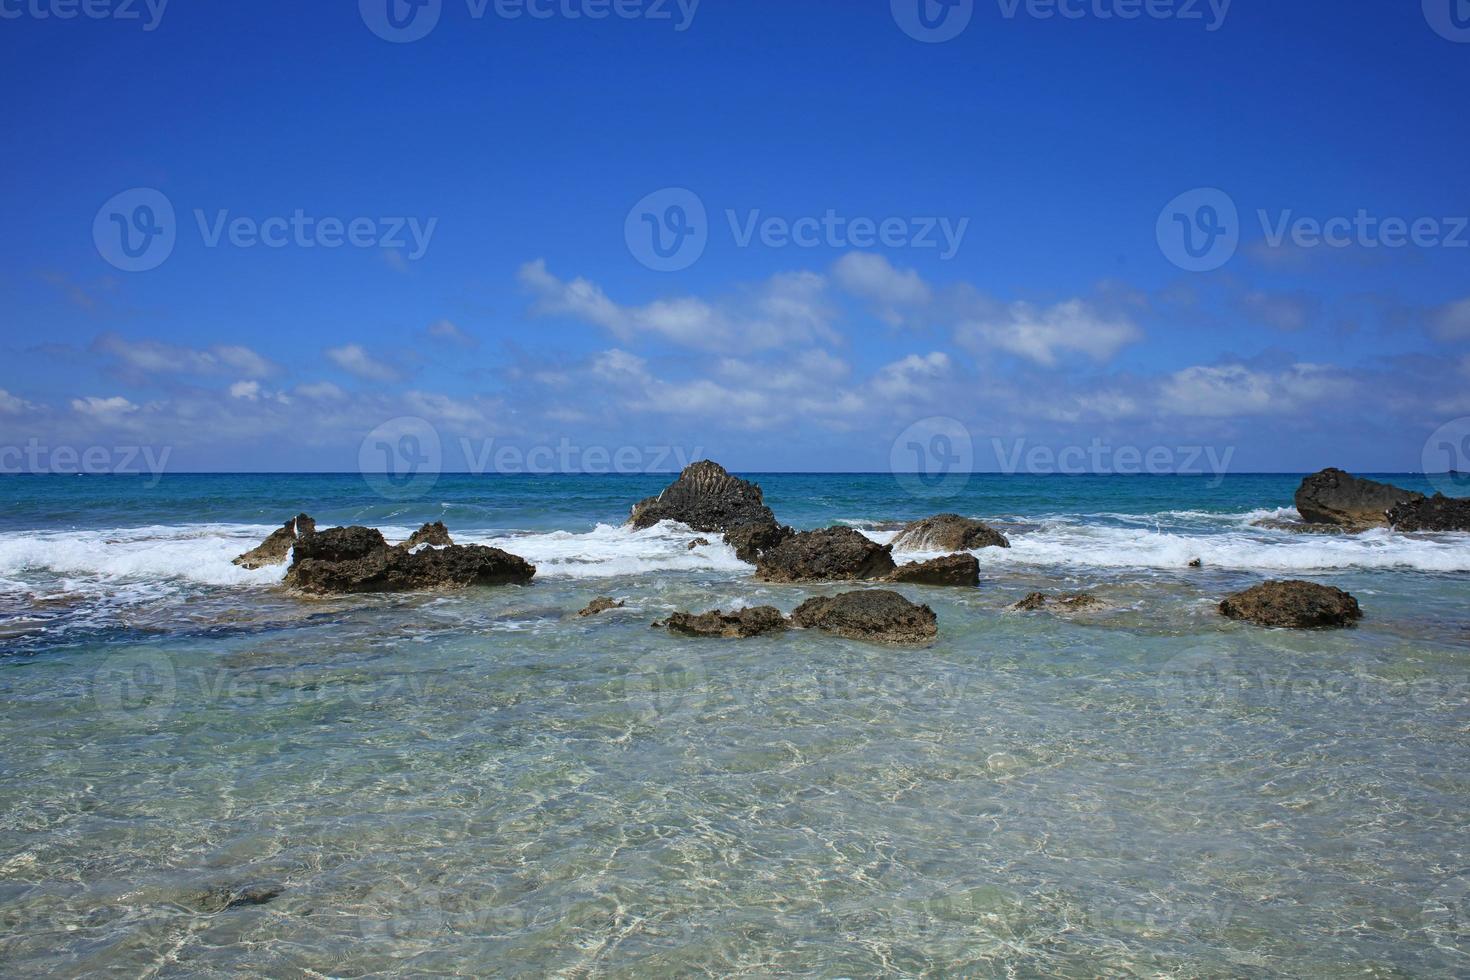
column 345, row 560
column 276, row 548
column 1293, row 605
column 1437, row 513
column 1335, row 497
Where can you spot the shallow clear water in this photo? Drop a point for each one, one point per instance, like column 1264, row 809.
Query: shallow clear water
column 482, row 783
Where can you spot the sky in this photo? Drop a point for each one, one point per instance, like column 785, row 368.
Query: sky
column 806, row 235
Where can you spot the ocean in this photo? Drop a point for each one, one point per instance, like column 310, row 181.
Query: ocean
column 204, row 775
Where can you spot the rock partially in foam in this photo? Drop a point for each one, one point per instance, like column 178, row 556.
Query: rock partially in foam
column 276, row 548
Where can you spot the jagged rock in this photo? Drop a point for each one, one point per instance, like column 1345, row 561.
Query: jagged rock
column 1064, row 602
column 737, row 625
column 600, row 605
column 1335, row 497
column 949, row 532
column 963, row 570
column 707, row 499
column 357, row 559
column 276, row 548
column 699, row 543
column 435, row 534
column 339, row 544
column 1294, row 605
column 750, row 541
column 877, row 615
column 1437, row 513
column 836, row 554
column 223, row 897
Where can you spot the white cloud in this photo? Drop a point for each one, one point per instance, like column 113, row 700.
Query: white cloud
column 1452, row 321
column 445, row 408
column 248, row 390
column 449, row 333
column 788, row 310
column 356, row 361
column 1231, row 390
column 912, row 377
column 1283, row 311
column 13, row 405
column 321, row 391
column 104, row 409
column 1043, row 335
column 892, row 293
column 157, row 357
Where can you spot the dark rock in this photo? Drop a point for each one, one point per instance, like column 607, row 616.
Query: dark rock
column 276, row 548
column 699, row 543
column 750, row 541
column 339, row 544
column 600, row 605
column 707, row 499
column 224, row 897
column 435, row 534
column 877, row 615
column 1437, row 513
column 836, row 554
column 1064, row 602
column 963, row 570
column 1294, row 605
column 737, row 625
column 399, row 570
column 1196, row 563
column 949, row 532
column 1335, row 497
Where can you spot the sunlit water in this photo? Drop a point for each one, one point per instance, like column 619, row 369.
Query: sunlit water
column 483, row 783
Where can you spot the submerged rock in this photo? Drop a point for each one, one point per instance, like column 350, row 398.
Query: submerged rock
column 600, row 605
column 1335, row 497
column 699, row 543
column 962, row 570
column 750, row 541
column 949, row 532
column 1293, row 605
column 836, row 554
column 1437, row 513
column 707, row 499
column 357, row 560
column 877, row 615
column 435, row 534
column 736, row 625
column 223, row 897
column 276, row 548
column 1062, row 602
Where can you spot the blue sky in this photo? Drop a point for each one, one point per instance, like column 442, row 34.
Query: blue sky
column 896, row 230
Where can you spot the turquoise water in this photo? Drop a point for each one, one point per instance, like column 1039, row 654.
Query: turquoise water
column 482, row 783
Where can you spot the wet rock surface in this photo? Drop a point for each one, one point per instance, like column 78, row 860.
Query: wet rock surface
column 734, row 625
column 1062, row 602
column 949, row 532
column 1333, row 496
column 601, row 605
column 357, row 560
column 875, row 615
column 276, row 548
column 1293, row 605
column 951, row 570
column 435, row 534
column 1437, row 513
column 750, row 541
column 834, row 555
